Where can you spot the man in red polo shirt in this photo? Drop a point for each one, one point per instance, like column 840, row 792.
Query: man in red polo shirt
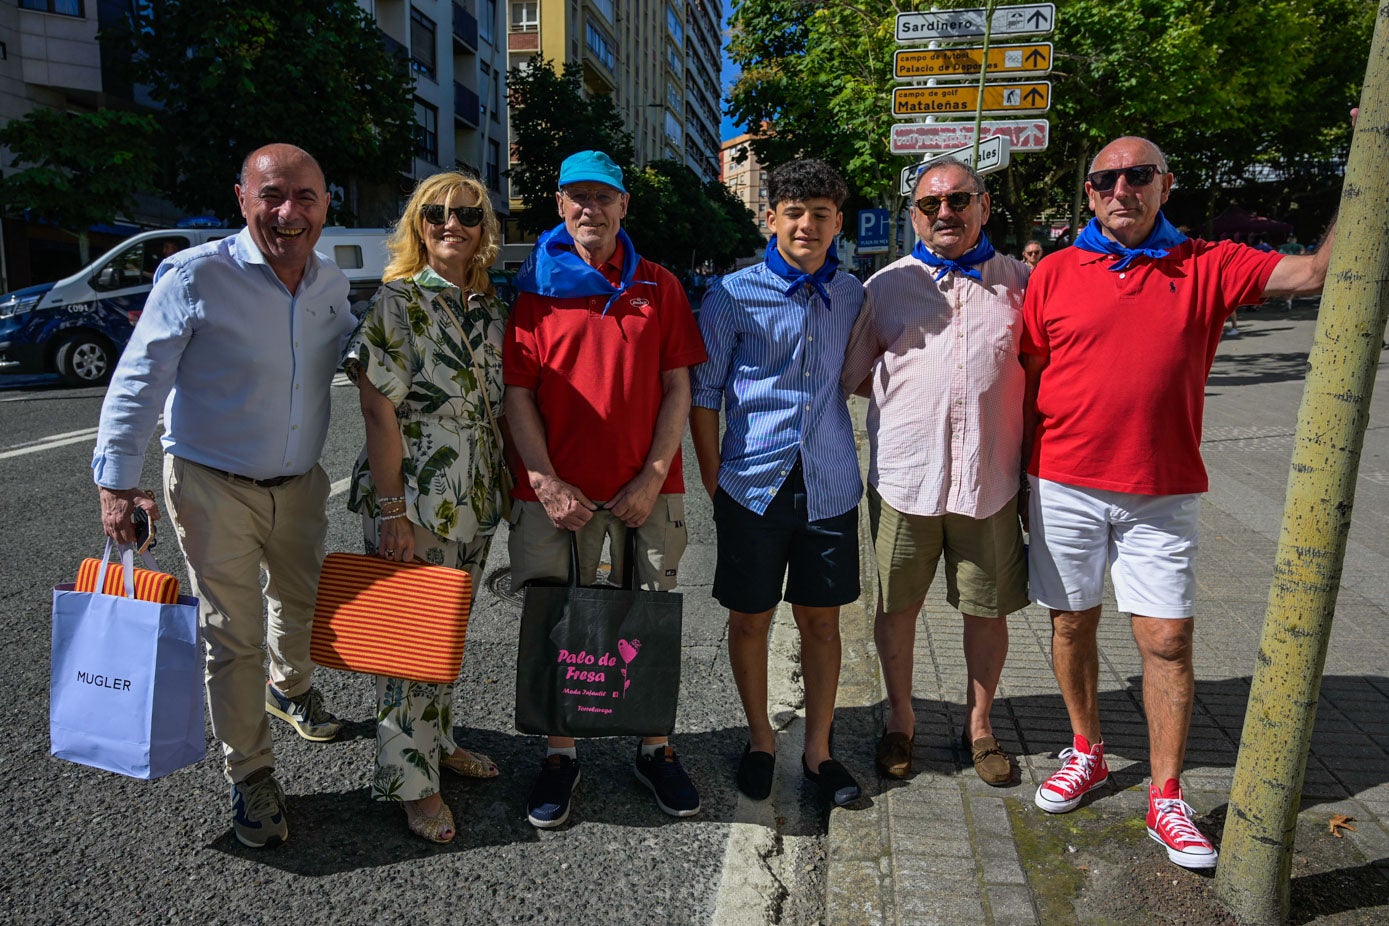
column 1120, row 332
column 596, row 363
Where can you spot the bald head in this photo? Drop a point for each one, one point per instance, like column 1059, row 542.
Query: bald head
column 1127, row 184
column 1146, row 151
column 278, row 153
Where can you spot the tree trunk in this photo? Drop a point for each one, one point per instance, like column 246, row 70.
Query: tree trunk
column 1078, row 203
column 1253, row 878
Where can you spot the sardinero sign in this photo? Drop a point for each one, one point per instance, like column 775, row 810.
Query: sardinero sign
column 993, row 155
column 924, row 137
column 948, row 25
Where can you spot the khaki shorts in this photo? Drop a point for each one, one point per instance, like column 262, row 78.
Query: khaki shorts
column 540, row 551
column 985, row 570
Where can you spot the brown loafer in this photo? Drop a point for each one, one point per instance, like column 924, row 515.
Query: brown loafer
column 990, row 761
column 894, row 759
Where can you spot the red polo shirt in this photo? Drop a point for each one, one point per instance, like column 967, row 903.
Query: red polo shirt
column 597, row 375
column 1121, row 398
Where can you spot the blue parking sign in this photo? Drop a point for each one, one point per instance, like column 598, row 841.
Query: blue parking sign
column 872, row 231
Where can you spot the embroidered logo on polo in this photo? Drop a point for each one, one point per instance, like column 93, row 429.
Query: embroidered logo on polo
column 640, row 303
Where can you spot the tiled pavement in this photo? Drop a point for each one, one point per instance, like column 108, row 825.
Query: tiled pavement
column 940, row 848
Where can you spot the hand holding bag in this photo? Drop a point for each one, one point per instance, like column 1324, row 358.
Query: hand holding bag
column 402, row 620
column 598, row 660
column 126, row 690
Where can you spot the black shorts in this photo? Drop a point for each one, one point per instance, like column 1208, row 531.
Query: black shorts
column 816, row 562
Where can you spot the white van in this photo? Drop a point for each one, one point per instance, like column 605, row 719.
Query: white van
column 78, row 326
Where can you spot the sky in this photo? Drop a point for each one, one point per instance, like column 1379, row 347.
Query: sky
column 727, row 129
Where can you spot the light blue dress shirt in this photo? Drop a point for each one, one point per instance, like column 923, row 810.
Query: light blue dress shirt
column 774, row 365
column 246, row 367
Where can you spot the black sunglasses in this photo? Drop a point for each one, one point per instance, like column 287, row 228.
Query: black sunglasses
column 467, row 216
column 1102, row 181
column 958, row 202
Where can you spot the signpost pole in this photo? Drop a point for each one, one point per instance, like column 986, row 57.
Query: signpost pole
column 989, row 7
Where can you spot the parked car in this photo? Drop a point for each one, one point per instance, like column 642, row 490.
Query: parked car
column 78, row 326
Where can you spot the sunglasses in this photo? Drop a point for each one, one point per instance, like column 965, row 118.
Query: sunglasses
column 1102, row 181
column 467, row 216
column 958, row 202
column 603, row 198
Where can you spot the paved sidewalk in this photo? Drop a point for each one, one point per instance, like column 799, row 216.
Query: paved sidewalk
column 946, row 848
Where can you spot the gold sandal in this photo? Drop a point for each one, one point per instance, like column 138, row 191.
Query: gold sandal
column 469, row 764
column 431, row 828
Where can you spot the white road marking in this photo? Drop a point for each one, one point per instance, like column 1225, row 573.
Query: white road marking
column 339, row 487
column 53, row 441
column 341, row 380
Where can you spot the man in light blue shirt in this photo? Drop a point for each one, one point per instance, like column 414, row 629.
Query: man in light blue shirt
column 238, row 344
column 785, row 481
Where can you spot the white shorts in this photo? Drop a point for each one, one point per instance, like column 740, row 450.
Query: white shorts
column 1148, row 541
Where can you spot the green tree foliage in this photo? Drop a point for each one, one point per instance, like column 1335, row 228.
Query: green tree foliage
column 551, row 118
column 232, row 75
column 84, row 168
column 1228, row 88
column 684, row 224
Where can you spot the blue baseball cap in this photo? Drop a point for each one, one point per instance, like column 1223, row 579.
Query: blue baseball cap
column 591, row 166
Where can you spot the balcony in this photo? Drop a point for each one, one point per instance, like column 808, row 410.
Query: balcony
column 467, row 108
column 464, row 29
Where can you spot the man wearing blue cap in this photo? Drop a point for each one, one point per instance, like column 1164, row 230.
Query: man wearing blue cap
column 596, row 360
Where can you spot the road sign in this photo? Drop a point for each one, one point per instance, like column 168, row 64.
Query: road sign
column 958, row 99
column 1004, row 61
column 993, row 155
column 1021, row 19
column 872, row 231
column 922, row 137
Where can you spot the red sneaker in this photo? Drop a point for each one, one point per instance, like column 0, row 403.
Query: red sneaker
column 1169, row 822
column 1084, row 771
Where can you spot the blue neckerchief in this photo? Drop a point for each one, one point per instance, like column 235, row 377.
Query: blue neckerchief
column 554, row 269
column 963, row 265
column 1163, row 238
column 795, row 277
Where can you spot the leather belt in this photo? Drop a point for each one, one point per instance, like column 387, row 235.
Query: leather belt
column 258, row 483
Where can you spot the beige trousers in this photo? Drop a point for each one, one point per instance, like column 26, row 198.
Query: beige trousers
column 230, row 530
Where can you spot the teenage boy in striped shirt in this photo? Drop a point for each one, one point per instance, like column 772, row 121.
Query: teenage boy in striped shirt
column 785, row 481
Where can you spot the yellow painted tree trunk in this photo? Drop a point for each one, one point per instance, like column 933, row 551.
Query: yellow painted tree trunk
column 1256, row 855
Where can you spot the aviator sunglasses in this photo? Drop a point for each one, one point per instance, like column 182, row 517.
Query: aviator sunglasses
column 1102, row 181
column 958, row 202
column 437, row 214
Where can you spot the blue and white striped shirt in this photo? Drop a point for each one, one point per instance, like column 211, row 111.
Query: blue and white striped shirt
column 774, row 365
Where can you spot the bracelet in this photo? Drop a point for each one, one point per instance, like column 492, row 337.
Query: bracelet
column 392, row 517
column 393, row 498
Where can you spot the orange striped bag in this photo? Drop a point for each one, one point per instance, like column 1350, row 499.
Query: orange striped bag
column 149, row 585
column 403, row 620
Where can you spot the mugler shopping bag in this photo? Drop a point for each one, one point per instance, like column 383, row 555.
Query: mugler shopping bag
column 126, row 690
column 598, row 660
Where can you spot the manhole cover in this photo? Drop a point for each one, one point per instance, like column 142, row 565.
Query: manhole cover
column 500, row 582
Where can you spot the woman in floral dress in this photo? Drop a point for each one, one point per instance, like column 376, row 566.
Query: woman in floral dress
column 428, row 483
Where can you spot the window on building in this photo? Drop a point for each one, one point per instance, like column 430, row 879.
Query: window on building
column 61, row 7
column 673, row 97
column 426, row 131
column 673, row 130
column 525, row 16
column 496, row 96
column 487, row 20
column 423, row 44
column 674, row 27
column 494, row 165
column 673, row 59
column 606, row 8
column 600, row 46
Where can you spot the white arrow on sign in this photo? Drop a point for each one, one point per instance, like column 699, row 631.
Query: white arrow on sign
column 993, row 155
column 923, row 137
column 1021, row 19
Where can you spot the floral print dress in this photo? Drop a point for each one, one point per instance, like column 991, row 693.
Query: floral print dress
column 408, row 347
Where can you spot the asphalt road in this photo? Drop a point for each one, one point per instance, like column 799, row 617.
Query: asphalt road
column 85, row 846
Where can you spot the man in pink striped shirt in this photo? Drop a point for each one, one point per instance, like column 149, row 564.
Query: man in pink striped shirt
column 938, row 342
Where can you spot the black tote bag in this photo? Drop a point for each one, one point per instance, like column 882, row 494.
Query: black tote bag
column 597, row 660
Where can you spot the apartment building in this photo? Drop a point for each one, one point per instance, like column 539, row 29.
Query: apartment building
column 746, row 178
column 658, row 59
column 457, row 54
